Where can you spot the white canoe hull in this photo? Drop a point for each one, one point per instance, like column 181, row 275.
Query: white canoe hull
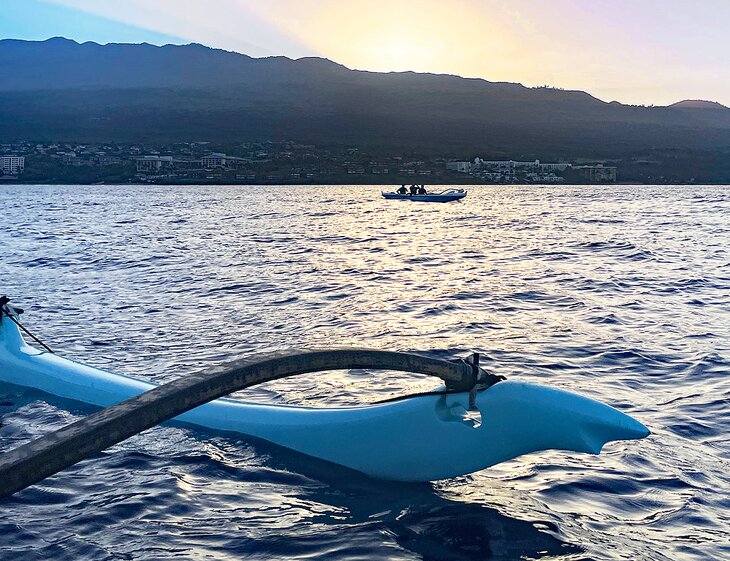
column 416, row 439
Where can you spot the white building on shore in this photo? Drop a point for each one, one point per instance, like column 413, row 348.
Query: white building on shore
column 509, row 171
column 597, row 173
column 12, row 165
column 512, row 165
column 214, row 160
column 151, row 164
column 461, row 167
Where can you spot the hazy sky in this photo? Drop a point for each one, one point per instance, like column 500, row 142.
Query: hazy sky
column 635, row 51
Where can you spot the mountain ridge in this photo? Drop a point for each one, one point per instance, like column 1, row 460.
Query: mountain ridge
column 62, row 89
column 698, row 104
column 303, row 60
column 685, row 103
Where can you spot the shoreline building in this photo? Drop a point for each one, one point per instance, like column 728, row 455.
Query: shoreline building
column 214, row 160
column 511, row 171
column 511, row 166
column 461, row 167
column 12, row 165
column 598, row 173
column 146, row 164
column 222, row 161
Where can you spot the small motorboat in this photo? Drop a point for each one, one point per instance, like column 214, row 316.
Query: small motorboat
column 443, row 197
column 419, row 438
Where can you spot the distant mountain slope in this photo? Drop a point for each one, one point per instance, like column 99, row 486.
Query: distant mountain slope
column 59, row 89
column 697, row 104
column 59, row 64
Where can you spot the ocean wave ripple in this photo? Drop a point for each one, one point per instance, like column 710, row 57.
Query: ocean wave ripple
column 617, row 292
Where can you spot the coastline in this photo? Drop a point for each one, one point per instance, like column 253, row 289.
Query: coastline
column 363, row 182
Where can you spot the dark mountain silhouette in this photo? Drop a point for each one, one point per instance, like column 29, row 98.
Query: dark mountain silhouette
column 697, row 104
column 62, row 90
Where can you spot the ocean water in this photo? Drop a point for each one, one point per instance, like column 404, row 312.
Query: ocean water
column 621, row 293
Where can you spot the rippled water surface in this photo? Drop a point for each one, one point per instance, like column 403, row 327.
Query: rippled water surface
column 621, row 293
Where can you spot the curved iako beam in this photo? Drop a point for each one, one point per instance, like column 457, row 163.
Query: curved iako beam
column 45, row 456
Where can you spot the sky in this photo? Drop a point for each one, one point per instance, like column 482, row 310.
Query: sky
column 634, row 51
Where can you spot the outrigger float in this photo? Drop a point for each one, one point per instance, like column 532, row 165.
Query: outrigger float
column 423, row 437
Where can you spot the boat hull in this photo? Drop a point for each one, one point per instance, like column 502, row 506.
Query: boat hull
column 421, row 438
column 445, row 197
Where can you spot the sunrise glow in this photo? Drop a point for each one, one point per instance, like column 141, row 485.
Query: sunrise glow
column 653, row 52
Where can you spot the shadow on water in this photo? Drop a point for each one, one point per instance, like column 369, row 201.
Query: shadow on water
column 435, row 528
column 413, row 515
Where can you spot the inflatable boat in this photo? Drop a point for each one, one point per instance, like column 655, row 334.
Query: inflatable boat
column 443, row 197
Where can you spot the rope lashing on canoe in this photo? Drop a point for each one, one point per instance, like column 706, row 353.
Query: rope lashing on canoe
column 12, row 312
column 485, row 380
column 34, row 461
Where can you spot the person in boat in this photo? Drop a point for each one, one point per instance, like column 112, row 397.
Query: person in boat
column 402, row 190
column 422, row 190
column 414, row 189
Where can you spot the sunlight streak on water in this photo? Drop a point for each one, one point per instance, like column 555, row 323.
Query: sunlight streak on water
column 617, row 292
